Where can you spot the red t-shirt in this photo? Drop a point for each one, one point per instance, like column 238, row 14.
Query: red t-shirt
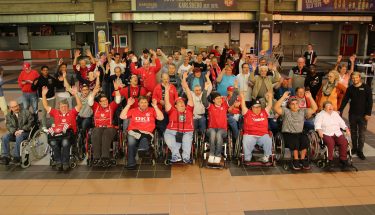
column 158, row 94
column 182, row 122
column 148, row 78
column 142, row 120
column 27, row 76
column 124, row 92
column 235, row 110
column 68, row 118
column 84, row 71
column 103, row 116
column 255, row 124
column 218, row 115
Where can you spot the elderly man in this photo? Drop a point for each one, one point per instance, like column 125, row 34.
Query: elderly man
column 298, row 73
column 19, row 124
column 263, row 83
column 243, row 83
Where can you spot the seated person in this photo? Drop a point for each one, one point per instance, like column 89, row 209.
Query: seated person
column 179, row 132
column 141, row 126
column 61, row 131
column 304, row 102
column 263, row 83
column 234, row 112
column 328, row 124
column 217, row 123
column 224, row 80
column 255, row 128
column 18, row 123
column 292, row 128
column 282, row 87
column 104, row 131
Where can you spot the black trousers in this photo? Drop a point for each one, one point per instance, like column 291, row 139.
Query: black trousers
column 358, row 127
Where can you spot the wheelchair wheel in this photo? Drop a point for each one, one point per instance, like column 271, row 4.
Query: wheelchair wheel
column 230, row 146
column 25, row 154
column 279, row 147
column 321, row 163
column 314, row 144
column 39, row 144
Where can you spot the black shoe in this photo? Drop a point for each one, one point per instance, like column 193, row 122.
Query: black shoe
column 329, row 165
column 344, row 164
column 361, row 155
column 6, row 161
column 354, row 151
column 305, row 164
column 59, row 167
column 16, row 160
column 65, row 167
column 296, row 165
column 132, row 167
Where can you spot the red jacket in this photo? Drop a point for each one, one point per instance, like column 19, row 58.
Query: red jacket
column 148, row 77
column 158, row 94
column 30, row 76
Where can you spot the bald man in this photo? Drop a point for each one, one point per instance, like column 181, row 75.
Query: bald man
column 18, row 123
column 298, row 73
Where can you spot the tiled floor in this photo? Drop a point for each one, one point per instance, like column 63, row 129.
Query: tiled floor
column 185, row 189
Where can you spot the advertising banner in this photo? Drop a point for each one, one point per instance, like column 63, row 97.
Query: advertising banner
column 186, row 5
column 265, row 37
column 338, row 5
column 101, row 35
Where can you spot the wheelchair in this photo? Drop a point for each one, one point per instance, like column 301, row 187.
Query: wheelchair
column 321, row 157
column 167, row 152
column 258, row 151
column 73, row 157
column 205, row 149
column 116, row 149
column 156, row 150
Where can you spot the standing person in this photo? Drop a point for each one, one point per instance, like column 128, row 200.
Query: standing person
column 185, row 67
column 344, row 74
column 3, row 103
column 25, row 82
column 51, row 82
column 314, row 80
column 360, row 97
column 224, row 80
column 299, row 73
column 61, row 93
column 371, row 61
column 147, row 73
column 63, row 129
column 310, row 56
column 243, row 83
column 332, row 91
column 18, row 123
column 117, row 62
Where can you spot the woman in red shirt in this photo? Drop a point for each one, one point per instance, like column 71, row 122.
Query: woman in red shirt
column 217, row 121
column 179, row 132
column 255, row 128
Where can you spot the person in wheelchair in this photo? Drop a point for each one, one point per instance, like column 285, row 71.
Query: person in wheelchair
column 217, row 121
column 255, row 128
column 234, row 111
column 180, row 129
column 292, row 128
column 19, row 123
column 141, row 126
column 104, row 131
column 328, row 124
column 64, row 128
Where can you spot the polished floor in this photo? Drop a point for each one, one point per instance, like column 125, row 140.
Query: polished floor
column 184, row 189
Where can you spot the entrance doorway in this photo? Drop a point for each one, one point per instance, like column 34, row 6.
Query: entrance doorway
column 348, row 44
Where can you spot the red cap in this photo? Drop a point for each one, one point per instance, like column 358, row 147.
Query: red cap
column 179, row 99
column 26, row 65
column 196, row 69
column 230, row 88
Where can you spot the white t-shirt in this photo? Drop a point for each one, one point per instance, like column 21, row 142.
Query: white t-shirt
column 243, row 85
column 113, row 65
column 183, row 69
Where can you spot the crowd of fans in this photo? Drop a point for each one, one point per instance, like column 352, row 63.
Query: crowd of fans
column 211, row 91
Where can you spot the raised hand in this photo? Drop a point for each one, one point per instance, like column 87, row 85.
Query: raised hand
column 352, row 59
column 44, row 90
column 95, row 90
column 61, row 61
column 131, row 101
column 269, row 96
column 154, row 103
column 207, row 84
column 77, row 53
column 286, row 94
column 88, row 53
column 235, row 83
column 308, row 94
column 116, row 85
column 339, row 58
column 126, row 49
column 74, row 91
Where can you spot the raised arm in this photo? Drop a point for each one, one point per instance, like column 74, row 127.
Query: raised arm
column 77, row 54
column 90, row 98
column 44, row 99
column 277, row 107
column 117, row 92
column 352, row 60
column 89, row 54
column 244, row 109
column 314, row 107
column 269, row 99
column 78, row 101
column 186, row 88
column 220, row 77
column 159, row 114
column 124, row 112
column 167, row 104
column 204, row 95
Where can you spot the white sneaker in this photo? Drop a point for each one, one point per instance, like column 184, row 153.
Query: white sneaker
column 264, row 159
column 211, row 159
column 217, row 159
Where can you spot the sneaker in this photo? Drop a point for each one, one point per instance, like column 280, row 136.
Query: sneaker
column 361, row 155
column 305, row 164
column 65, row 167
column 296, row 165
column 6, row 161
column 211, row 159
column 175, row 160
column 264, row 159
column 131, row 167
column 217, row 159
column 187, row 161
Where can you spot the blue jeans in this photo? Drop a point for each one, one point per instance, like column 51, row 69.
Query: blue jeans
column 200, row 124
column 30, row 99
column 216, row 136
column 187, row 140
column 249, row 142
column 7, row 138
column 233, row 124
column 133, row 147
column 61, row 150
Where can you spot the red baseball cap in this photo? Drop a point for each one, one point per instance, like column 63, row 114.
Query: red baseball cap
column 230, row 88
column 26, row 65
column 179, row 99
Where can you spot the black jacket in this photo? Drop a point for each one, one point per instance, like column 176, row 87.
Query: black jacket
column 360, row 100
column 49, row 81
column 25, row 121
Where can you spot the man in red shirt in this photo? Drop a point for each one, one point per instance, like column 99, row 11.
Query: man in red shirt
column 234, row 112
column 217, row 123
column 255, row 128
column 147, row 73
column 141, row 126
column 25, row 81
column 82, row 68
column 104, row 131
column 60, row 134
column 179, row 132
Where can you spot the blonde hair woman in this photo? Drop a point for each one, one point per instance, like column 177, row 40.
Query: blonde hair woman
column 332, row 91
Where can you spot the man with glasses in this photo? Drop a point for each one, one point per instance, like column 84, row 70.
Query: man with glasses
column 244, row 85
column 18, row 123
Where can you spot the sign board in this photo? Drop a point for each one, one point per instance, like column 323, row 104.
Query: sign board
column 186, row 5
column 338, row 5
column 101, row 35
column 265, row 37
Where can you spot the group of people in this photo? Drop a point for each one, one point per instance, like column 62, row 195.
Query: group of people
column 211, row 92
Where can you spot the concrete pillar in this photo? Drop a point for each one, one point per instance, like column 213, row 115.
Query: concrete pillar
column 265, row 18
